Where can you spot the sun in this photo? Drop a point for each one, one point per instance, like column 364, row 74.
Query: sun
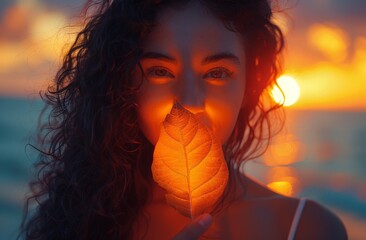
column 290, row 91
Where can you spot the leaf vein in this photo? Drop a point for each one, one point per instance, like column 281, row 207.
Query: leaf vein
column 171, row 169
column 199, row 186
column 203, row 159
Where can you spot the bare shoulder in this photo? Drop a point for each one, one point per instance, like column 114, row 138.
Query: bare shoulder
column 317, row 222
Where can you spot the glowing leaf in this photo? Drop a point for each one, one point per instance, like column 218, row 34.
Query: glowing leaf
column 189, row 163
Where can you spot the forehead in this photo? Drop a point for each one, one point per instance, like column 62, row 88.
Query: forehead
column 191, row 30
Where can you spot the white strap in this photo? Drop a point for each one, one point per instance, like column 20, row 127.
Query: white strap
column 296, row 219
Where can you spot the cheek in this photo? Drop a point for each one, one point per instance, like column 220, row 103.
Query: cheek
column 223, row 108
column 224, row 118
column 154, row 105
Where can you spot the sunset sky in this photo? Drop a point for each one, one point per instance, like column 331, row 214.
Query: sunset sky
column 325, row 53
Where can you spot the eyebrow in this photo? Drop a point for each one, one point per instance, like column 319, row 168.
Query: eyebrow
column 221, row 56
column 207, row 60
column 158, row 56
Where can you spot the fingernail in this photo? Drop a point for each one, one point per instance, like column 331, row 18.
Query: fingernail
column 204, row 220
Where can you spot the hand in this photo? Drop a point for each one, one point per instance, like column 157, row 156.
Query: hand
column 195, row 229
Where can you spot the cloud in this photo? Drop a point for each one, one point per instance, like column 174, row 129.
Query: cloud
column 15, row 23
column 329, row 67
column 330, row 40
column 32, row 43
column 332, row 9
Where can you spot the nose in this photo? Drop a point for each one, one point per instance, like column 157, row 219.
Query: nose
column 191, row 94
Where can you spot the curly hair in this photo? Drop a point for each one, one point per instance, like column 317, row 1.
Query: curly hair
column 94, row 172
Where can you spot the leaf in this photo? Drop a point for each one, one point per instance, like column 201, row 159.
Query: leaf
column 189, row 163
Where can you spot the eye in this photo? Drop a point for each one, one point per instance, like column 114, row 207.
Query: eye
column 218, row 76
column 159, row 75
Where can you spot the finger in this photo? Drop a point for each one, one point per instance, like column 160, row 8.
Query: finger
column 195, row 229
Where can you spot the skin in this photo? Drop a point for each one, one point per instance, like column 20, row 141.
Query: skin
column 195, row 229
column 175, row 69
column 192, row 58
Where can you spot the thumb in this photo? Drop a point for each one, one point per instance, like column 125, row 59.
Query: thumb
column 195, row 229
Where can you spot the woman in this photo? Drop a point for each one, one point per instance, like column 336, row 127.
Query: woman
column 119, row 80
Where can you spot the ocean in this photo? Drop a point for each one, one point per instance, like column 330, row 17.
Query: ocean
column 320, row 155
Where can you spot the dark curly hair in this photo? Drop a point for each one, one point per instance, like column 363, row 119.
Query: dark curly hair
column 94, row 172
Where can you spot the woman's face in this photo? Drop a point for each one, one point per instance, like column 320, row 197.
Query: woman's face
column 191, row 57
